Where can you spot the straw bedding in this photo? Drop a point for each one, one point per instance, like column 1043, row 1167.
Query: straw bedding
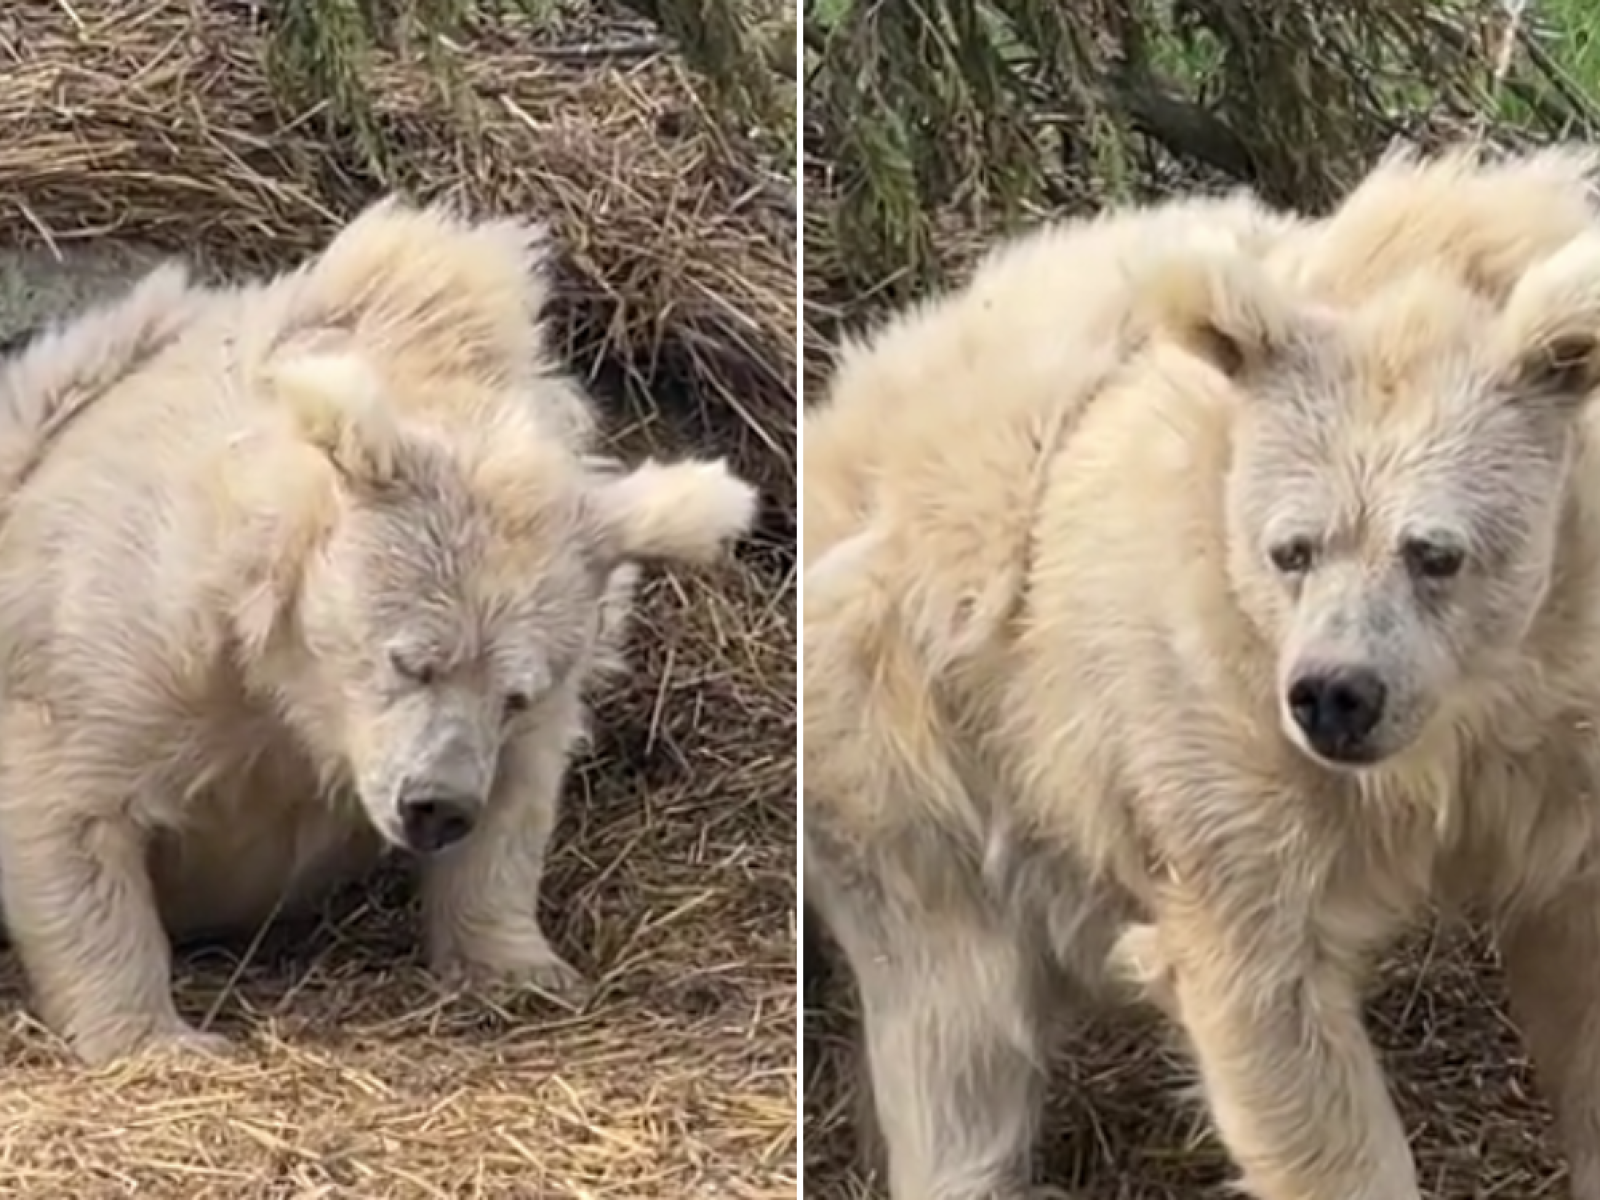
column 672, row 882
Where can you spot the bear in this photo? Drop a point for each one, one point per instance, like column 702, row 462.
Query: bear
column 328, row 573
column 1284, row 633
column 1485, row 215
column 1024, row 295
column 58, row 368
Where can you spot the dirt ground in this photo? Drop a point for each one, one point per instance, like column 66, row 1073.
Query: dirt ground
column 672, row 883
column 1118, row 1128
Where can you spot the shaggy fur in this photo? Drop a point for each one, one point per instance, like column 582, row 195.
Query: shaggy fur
column 329, row 570
column 1243, row 647
column 1042, row 319
column 55, row 372
column 1481, row 216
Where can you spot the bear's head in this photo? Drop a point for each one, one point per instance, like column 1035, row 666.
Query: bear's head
column 449, row 589
column 1397, row 481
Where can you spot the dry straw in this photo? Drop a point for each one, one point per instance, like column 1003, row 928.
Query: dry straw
column 160, row 122
column 673, row 880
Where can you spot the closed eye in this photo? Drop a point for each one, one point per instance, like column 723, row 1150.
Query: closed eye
column 412, row 668
column 533, row 683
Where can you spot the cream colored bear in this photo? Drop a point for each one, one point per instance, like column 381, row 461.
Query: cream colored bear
column 329, row 570
column 68, row 364
column 1250, row 640
column 1484, row 216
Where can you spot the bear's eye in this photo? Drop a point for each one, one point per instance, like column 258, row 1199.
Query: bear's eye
column 1293, row 557
column 414, row 670
column 517, row 702
column 1433, row 560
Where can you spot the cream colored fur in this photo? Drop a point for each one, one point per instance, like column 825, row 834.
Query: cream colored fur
column 1047, row 652
column 1482, row 215
column 330, row 570
column 988, row 374
column 69, row 364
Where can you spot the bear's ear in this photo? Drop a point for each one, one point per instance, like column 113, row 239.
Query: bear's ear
column 336, row 403
column 1218, row 304
column 1483, row 218
column 1548, row 343
column 675, row 512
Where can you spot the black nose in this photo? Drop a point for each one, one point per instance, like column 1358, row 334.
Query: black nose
column 1338, row 711
column 430, row 823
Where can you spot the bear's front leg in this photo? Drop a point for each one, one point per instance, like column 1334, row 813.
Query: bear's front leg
column 1552, row 964
column 481, row 897
column 1291, row 1078
column 79, row 903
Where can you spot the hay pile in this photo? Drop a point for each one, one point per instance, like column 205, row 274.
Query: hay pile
column 161, row 124
column 672, row 881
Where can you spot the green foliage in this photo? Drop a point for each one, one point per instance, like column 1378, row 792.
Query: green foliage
column 727, row 41
column 923, row 106
column 928, row 116
column 319, row 53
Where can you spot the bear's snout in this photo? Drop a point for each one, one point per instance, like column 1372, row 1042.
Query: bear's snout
column 435, row 821
column 1338, row 710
